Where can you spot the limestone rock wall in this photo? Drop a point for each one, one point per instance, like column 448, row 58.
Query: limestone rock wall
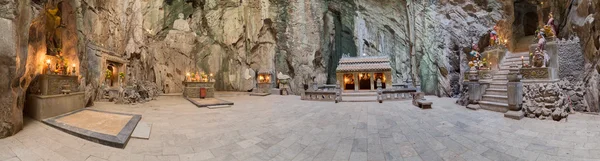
column 16, row 64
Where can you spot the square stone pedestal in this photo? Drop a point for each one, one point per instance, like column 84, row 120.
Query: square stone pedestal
column 40, row 107
column 517, row 115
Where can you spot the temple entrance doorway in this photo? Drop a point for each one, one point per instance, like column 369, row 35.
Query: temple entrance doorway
column 526, row 23
column 364, row 81
column 349, row 82
column 110, row 75
column 530, row 23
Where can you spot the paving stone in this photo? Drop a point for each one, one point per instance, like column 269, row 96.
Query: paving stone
column 262, row 129
column 497, row 156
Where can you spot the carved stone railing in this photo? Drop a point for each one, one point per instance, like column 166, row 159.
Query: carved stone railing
column 538, row 73
column 396, row 94
column 319, row 95
column 483, row 74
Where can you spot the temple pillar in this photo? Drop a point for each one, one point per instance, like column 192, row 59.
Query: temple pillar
column 515, row 94
column 356, row 81
column 475, row 93
column 372, row 81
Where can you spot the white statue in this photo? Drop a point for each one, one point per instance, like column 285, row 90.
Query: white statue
column 283, row 76
column 181, row 24
column 247, row 74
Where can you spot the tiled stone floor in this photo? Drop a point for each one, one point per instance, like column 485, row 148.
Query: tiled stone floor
column 285, row 128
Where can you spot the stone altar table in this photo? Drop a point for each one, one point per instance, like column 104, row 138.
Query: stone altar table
column 192, row 89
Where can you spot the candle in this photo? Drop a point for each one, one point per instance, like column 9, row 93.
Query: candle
column 47, row 66
column 187, row 76
column 522, row 61
column 73, row 71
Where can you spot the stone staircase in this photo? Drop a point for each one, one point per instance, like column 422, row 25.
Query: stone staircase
column 495, row 97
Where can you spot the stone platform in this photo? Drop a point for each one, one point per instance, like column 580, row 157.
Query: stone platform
column 41, row 107
column 107, row 128
column 286, row 128
column 208, row 102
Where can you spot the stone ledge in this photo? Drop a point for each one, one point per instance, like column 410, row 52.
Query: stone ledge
column 118, row 141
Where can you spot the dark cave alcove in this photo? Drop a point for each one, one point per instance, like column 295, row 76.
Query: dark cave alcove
column 526, row 19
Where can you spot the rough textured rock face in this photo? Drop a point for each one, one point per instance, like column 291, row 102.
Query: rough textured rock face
column 15, row 63
column 554, row 100
column 427, row 42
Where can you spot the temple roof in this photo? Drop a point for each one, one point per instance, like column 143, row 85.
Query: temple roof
column 367, row 64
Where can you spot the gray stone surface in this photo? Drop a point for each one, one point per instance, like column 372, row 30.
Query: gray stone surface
column 571, row 61
column 118, row 141
column 260, row 128
column 142, row 130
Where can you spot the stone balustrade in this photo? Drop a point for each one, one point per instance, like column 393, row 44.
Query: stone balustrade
column 319, row 95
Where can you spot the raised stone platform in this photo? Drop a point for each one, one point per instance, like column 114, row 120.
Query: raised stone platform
column 207, row 102
column 106, row 128
column 41, row 107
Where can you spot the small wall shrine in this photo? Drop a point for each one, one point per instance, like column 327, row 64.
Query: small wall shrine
column 264, row 82
column 55, row 90
column 199, row 85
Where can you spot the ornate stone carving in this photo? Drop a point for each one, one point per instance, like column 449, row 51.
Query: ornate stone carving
column 535, row 73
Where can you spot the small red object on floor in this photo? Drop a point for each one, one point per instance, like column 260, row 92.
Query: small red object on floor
column 202, row 92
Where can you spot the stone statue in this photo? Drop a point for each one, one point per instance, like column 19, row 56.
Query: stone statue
column 181, row 24
column 53, row 31
column 494, row 36
column 475, row 55
column 541, row 40
column 550, row 25
column 475, row 52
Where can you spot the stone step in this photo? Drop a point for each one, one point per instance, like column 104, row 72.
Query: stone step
column 500, row 77
column 495, row 98
column 359, row 99
column 525, row 58
column 358, row 94
column 494, row 106
column 498, row 86
column 496, row 91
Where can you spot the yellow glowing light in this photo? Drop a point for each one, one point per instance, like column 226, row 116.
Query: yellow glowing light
column 211, row 74
column 187, row 74
column 47, row 61
column 261, row 78
column 73, row 65
column 360, row 75
column 521, row 57
column 505, row 41
column 542, row 3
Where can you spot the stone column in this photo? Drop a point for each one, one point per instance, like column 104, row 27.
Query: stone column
column 356, row 81
column 515, row 94
column 372, row 82
column 379, row 91
column 338, row 93
column 474, row 86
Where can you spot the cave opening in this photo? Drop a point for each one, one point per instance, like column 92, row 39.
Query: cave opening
column 343, row 42
column 526, row 23
column 530, row 24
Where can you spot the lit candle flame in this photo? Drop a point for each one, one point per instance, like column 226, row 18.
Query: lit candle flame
column 211, row 74
column 187, row 74
column 47, row 61
column 73, row 65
